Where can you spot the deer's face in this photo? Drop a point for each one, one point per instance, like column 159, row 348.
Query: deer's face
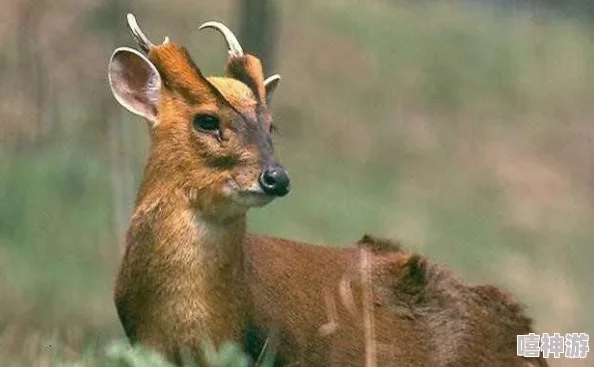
column 211, row 137
column 221, row 151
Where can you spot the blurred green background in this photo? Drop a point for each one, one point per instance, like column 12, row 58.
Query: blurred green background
column 463, row 128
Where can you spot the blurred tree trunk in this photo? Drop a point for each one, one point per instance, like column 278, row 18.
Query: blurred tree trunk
column 120, row 139
column 258, row 26
column 33, row 71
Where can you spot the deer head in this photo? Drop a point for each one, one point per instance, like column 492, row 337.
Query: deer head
column 210, row 136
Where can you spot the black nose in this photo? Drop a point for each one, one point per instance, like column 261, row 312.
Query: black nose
column 274, row 181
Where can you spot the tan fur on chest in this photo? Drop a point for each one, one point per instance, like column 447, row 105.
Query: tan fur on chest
column 177, row 286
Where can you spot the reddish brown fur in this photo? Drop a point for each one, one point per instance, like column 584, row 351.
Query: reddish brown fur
column 248, row 69
column 190, row 271
column 425, row 316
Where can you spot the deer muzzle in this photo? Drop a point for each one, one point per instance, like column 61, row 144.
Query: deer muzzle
column 274, row 180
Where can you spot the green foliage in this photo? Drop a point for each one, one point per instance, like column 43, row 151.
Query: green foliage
column 121, row 354
column 55, row 222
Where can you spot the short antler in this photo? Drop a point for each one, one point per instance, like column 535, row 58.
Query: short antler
column 143, row 41
column 272, row 79
column 234, row 47
column 233, row 44
column 138, row 34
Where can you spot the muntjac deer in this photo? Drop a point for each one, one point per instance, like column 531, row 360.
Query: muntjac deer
column 191, row 272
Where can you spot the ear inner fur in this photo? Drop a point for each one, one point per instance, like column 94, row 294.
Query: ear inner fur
column 135, row 82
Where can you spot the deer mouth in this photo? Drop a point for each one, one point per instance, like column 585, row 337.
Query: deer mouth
column 252, row 196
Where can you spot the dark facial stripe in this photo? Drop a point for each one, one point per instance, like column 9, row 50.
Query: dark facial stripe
column 256, row 133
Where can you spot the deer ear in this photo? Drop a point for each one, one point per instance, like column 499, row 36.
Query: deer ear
column 270, row 85
column 135, row 82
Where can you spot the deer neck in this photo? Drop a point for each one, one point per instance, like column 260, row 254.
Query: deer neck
column 199, row 288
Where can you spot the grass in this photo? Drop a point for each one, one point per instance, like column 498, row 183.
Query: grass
column 462, row 130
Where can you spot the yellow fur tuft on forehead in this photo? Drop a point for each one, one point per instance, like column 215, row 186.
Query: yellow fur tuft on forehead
column 248, row 70
column 179, row 72
column 234, row 91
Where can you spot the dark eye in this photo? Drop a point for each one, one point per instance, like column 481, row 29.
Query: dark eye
column 206, row 123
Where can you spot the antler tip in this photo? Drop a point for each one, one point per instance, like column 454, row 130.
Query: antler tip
column 235, row 49
column 132, row 23
column 209, row 24
column 140, row 37
column 274, row 77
